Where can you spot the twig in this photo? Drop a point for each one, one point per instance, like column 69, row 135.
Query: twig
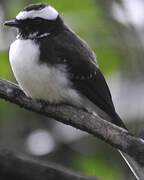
column 19, row 167
column 78, row 118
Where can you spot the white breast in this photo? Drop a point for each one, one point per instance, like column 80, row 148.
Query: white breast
column 39, row 80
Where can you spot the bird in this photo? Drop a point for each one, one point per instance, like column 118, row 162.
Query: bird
column 51, row 62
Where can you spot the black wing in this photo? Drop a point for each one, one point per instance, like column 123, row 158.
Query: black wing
column 84, row 73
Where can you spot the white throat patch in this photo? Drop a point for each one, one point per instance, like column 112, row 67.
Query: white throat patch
column 48, row 13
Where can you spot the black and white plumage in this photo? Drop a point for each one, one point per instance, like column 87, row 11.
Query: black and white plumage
column 51, row 62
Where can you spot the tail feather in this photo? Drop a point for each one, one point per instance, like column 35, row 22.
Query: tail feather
column 115, row 119
column 137, row 170
column 118, row 121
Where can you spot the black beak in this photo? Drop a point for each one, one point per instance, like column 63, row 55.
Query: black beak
column 12, row 23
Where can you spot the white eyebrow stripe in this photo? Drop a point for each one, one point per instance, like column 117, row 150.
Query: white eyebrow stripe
column 48, row 13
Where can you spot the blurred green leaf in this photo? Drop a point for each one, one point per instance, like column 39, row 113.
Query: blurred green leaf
column 108, row 59
column 5, row 70
column 98, row 167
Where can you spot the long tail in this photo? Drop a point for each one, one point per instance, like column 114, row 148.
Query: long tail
column 136, row 169
column 114, row 118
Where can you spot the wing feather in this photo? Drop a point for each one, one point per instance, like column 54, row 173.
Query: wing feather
column 84, row 72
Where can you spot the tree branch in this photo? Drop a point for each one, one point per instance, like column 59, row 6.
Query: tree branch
column 78, row 118
column 19, row 167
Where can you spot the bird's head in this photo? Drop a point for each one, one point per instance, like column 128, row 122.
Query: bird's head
column 36, row 21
